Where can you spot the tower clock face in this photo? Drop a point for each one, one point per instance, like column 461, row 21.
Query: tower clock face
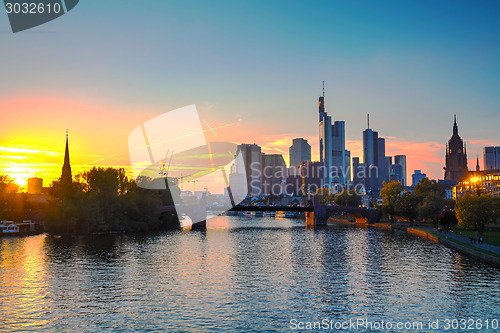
column 459, row 150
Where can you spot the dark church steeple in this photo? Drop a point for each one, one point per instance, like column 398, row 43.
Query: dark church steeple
column 455, row 127
column 456, row 156
column 66, row 169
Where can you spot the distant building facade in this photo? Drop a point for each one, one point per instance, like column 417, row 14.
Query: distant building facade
column 306, row 179
column 274, row 174
column 35, row 185
column 491, row 157
column 417, row 176
column 299, row 151
column 400, row 165
column 484, row 182
column 252, row 163
column 456, row 157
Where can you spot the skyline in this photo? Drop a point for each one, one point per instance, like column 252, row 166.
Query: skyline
column 411, row 66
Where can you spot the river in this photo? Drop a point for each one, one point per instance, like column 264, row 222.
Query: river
column 243, row 274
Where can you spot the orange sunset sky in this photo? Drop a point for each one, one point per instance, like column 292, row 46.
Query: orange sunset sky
column 98, row 75
column 33, row 137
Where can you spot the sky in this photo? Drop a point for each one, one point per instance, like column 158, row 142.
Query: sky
column 106, row 67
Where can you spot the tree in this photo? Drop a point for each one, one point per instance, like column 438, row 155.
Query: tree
column 407, row 206
column 105, row 201
column 347, row 198
column 475, row 211
column 325, row 196
column 430, row 195
column 7, row 190
column 449, row 203
column 447, row 218
column 391, row 194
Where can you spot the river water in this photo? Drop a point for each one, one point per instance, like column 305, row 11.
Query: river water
column 243, row 274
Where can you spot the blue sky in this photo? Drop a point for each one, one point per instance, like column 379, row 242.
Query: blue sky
column 410, row 64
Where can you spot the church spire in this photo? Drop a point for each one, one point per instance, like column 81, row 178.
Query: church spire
column 477, row 164
column 66, row 177
column 455, row 126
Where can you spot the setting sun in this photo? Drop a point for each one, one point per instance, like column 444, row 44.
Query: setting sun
column 20, row 174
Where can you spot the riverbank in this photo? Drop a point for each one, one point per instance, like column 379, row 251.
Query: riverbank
column 486, row 253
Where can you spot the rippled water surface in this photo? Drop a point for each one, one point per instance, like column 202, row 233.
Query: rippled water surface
column 243, row 274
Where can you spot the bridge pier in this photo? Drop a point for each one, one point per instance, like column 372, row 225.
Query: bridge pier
column 319, row 213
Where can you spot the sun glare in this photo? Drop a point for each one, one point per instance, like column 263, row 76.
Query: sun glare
column 20, row 174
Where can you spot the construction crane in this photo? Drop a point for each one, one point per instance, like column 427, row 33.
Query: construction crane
column 194, row 185
column 163, row 171
column 162, row 168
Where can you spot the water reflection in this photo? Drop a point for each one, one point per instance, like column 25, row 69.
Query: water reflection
column 242, row 274
column 23, row 282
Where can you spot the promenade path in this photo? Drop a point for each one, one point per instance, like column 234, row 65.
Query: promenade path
column 463, row 239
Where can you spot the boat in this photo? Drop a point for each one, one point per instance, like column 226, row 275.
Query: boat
column 286, row 214
column 272, row 214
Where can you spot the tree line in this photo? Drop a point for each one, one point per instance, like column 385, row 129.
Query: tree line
column 104, row 200
column 427, row 203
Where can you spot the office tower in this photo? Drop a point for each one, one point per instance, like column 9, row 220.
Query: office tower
column 341, row 161
column 375, row 172
column 355, row 166
column 491, row 157
column 325, row 141
column 396, row 173
column 401, row 160
column 273, row 174
column 388, row 163
column 300, row 150
column 252, row 162
column 332, row 150
column 383, row 170
column 348, row 166
column 417, row 176
column 456, row 157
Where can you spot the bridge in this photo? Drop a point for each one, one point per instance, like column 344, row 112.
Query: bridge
column 317, row 214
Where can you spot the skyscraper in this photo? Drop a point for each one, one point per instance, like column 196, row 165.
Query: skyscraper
column 252, row 160
column 388, row 163
column 66, row 177
column 383, row 170
column 401, row 160
column 300, row 150
column 370, row 158
column 332, row 152
column 456, row 157
column 325, row 141
column 491, row 158
column 273, row 174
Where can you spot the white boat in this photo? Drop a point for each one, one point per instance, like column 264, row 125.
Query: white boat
column 269, row 214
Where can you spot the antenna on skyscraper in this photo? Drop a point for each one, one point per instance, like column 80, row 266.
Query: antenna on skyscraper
column 323, row 88
column 368, row 117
